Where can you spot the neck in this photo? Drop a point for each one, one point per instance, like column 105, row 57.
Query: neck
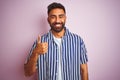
column 58, row 34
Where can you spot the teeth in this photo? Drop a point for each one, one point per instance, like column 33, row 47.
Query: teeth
column 57, row 25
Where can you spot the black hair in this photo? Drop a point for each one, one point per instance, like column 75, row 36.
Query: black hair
column 55, row 5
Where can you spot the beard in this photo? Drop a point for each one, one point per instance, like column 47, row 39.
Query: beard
column 57, row 27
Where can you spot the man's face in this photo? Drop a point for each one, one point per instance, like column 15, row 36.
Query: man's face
column 56, row 19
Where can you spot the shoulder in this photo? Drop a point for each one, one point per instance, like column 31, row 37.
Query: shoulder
column 46, row 35
column 71, row 34
column 75, row 36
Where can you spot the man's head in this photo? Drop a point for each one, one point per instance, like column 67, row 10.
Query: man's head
column 55, row 5
column 56, row 16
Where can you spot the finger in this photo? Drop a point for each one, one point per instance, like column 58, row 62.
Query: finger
column 39, row 39
column 43, row 46
column 46, row 44
column 44, row 50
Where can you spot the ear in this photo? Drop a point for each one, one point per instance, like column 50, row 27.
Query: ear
column 48, row 19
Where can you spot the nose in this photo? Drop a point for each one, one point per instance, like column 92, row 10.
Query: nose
column 57, row 19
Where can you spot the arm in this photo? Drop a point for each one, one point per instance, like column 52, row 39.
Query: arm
column 30, row 66
column 84, row 71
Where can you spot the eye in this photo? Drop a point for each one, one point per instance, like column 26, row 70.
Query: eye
column 61, row 16
column 52, row 17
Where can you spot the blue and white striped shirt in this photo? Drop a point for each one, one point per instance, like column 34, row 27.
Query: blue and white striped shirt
column 72, row 55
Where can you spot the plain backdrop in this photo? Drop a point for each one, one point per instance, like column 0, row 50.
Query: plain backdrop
column 96, row 21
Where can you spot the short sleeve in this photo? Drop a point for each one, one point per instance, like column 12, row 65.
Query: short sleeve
column 83, row 53
column 30, row 52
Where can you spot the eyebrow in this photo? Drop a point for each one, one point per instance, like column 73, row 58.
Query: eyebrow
column 58, row 15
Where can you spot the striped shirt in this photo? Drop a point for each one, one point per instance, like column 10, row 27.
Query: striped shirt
column 72, row 55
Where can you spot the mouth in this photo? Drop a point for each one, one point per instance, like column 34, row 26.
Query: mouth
column 58, row 25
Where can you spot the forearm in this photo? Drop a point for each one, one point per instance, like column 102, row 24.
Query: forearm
column 84, row 71
column 30, row 66
column 84, row 75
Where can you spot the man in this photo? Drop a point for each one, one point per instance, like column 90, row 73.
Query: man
column 59, row 54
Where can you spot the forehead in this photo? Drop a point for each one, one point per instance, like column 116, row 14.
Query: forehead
column 56, row 11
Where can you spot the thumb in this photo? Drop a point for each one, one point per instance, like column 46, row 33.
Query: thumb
column 39, row 39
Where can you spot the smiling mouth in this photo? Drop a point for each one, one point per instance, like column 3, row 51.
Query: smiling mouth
column 58, row 25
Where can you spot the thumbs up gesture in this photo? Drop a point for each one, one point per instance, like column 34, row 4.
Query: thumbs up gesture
column 41, row 48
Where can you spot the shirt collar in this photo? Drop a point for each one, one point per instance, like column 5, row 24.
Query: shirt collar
column 50, row 35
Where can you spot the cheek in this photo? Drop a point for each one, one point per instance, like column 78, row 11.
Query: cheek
column 51, row 21
column 63, row 21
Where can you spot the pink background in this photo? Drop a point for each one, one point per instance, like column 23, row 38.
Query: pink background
column 96, row 21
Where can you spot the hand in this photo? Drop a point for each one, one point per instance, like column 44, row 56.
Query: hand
column 41, row 48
